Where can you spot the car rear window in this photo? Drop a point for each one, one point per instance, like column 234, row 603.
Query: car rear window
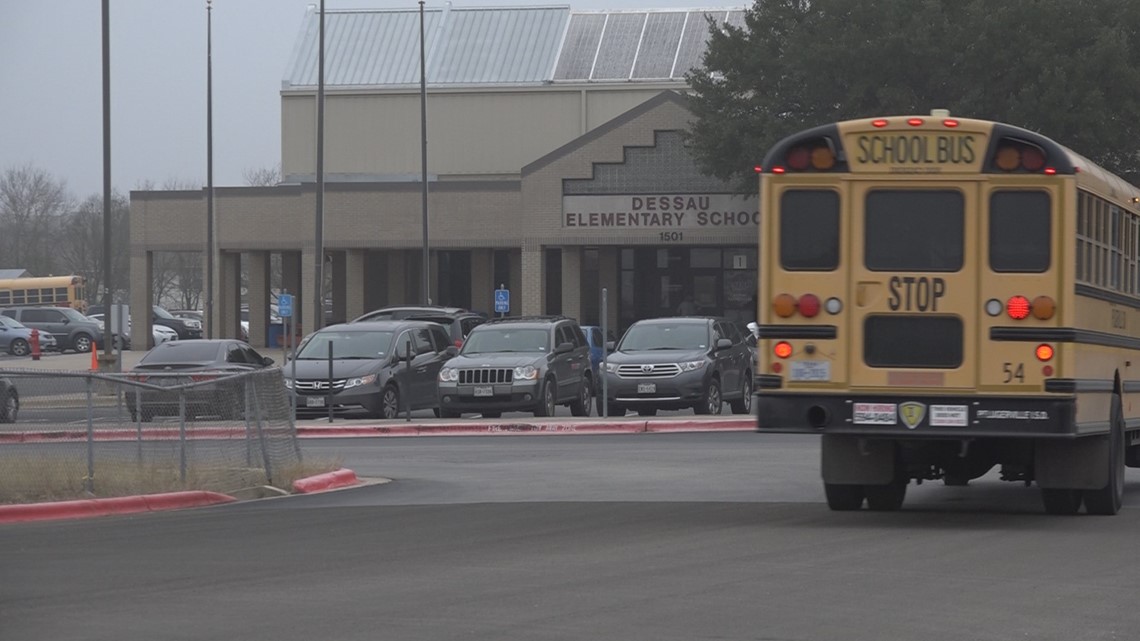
column 182, row 352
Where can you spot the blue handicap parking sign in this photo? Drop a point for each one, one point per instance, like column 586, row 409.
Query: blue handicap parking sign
column 285, row 305
column 502, row 301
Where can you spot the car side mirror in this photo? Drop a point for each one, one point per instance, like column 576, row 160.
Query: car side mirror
column 611, row 346
column 451, row 351
column 723, row 343
column 564, row 348
column 266, row 361
column 66, row 321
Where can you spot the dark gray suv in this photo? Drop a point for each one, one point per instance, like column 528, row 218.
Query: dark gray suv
column 674, row 363
column 520, row 363
column 385, row 367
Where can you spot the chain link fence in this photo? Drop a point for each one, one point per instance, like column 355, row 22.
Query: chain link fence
column 65, row 434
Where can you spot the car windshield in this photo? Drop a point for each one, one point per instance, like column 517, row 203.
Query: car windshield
column 347, row 345
column 9, row 322
column 507, row 339
column 665, row 336
column 182, row 352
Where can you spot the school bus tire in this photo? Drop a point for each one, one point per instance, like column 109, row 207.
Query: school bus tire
column 1107, row 500
column 843, row 498
column 886, row 498
column 1061, row 501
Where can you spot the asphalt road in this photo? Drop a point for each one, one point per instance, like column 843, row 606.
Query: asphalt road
column 652, row 536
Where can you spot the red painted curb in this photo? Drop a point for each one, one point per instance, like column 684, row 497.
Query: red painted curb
column 87, row 508
column 725, row 425
column 327, row 481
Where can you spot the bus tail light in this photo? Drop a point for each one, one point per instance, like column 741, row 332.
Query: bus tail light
column 1043, row 307
column 809, row 305
column 783, row 349
column 798, row 158
column 1044, row 352
column 784, row 305
column 1017, row 307
column 833, row 306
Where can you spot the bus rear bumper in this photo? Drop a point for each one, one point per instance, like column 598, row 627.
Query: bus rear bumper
column 935, row 417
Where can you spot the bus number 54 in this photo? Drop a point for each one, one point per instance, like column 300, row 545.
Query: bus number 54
column 1012, row 372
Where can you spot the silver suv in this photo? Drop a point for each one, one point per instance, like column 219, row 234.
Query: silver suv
column 520, row 363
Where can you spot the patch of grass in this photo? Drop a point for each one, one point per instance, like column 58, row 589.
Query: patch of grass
column 23, row 481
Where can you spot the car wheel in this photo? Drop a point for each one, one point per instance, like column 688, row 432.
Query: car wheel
column 743, row 405
column 647, row 411
column 546, row 399
column 18, row 347
column 1108, row 500
column 82, row 343
column 9, row 406
column 843, row 498
column 581, row 406
column 712, row 401
column 390, row 402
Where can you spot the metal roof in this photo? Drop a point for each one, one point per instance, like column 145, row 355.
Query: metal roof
column 501, row 46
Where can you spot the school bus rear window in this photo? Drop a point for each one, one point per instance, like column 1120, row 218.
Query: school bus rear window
column 809, row 230
column 1020, row 230
column 914, row 230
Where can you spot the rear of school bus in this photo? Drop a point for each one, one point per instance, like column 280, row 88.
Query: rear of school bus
column 915, row 293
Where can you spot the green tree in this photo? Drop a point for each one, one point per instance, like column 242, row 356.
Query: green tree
column 1070, row 70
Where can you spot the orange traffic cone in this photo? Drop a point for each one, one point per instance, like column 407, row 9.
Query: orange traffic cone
column 94, row 359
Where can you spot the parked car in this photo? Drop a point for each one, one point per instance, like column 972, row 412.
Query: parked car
column 9, row 401
column 673, row 363
column 187, row 328
column 160, row 333
column 370, row 367
column 597, row 342
column 180, row 362
column 71, row 329
column 16, row 339
column 519, row 363
column 116, row 337
column 458, row 321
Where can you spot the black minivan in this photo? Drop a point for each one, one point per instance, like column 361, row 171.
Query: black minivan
column 385, row 367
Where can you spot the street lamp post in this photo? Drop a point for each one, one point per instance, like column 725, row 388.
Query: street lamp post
column 209, row 171
column 423, row 162
column 107, row 271
column 319, row 236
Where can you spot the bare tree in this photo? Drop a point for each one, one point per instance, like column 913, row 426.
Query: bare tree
column 262, row 176
column 176, row 277
column 32, row 204
column 80, row 246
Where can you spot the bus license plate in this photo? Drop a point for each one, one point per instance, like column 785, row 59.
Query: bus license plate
column 811, row 371
column 647, row 388
column 315, row 401
column 484, row 390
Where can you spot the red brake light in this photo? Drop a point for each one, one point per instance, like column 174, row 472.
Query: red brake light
column 798, row 158
column 1044, row 352
column 1032, row 159
column 758, row 169
column 783, row 349
column 1049, row 171
column 914, row 122
column 809, row 305
column 1017, row 307
column 879, row 123
column 949, row 122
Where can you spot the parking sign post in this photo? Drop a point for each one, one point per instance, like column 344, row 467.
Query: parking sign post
column 502, row 300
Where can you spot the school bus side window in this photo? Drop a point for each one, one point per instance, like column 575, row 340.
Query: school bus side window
column 809, row 230
column 1020, row 231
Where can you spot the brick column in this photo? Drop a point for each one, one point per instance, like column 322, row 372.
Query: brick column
column 354, row 266
column 397, row 292
column 482, row 276
column 291, row 280
column 339, row 291
column 309, row 316
column 572, row 282
column 227, row 311
column 142, row 297
column 259, row 299
column 532, row 278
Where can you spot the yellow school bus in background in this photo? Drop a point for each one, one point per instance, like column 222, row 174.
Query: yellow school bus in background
column 941, row 296
column 57, row 291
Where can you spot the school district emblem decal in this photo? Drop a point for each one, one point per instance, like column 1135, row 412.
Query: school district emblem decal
column 912, row 414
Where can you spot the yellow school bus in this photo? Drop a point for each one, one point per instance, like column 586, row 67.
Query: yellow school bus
column 943, row 296
column 58, row 291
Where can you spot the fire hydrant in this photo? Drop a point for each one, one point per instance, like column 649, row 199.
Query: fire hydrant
column 35, row 344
